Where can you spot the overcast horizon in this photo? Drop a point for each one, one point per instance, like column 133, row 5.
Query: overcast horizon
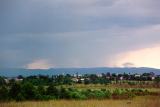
column 42, row 34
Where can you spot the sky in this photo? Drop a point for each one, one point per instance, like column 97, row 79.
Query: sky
column 42, row 34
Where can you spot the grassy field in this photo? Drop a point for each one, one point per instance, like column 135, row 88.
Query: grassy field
column 109, row 87
column 147, row 101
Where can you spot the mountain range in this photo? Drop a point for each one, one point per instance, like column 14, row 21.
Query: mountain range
column 13, row 72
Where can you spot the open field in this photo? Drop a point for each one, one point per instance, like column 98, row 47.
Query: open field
column 109, row 87
column 147, row 101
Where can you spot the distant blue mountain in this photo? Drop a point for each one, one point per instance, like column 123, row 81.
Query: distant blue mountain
column 54, row 71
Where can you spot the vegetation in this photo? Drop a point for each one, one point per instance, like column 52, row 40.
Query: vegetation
column 65, row 87
column 27, row 91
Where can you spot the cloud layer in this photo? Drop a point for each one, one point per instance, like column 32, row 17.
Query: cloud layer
column 81, row 33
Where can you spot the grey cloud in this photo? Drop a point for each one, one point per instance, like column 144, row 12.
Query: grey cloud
column 39, row 16
column 88, row 48
column 75, row 33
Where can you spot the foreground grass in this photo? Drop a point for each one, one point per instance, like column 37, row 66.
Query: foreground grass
column 146, row 101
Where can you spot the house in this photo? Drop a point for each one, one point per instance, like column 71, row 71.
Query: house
column 137, row 75
column 108, row 77
column 121, row 78
column 153, row 78
column 82, row 79
column 6, row 81
column 18, row 80
column 75, row 79
column 99, row 75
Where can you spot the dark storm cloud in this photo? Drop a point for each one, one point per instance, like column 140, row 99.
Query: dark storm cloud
column 75, row 32
column 38, row 16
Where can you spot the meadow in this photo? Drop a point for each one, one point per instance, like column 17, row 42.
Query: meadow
column 142, row 101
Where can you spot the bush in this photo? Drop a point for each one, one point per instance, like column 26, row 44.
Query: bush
column 53, row 91
column 15, row 90
column 19, row 97
column 3, row 93
column 117, row 91
column 2, row 81
column 88, row 93
column 99, row 94
column 41, row 90
column 78, row 96
column 64, row 93
column 108, row 94
column 29, row 91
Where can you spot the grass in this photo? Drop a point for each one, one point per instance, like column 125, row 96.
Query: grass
column 109, row 87
column 147, row 101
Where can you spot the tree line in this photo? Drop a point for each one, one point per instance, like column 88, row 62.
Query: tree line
column 86, row 79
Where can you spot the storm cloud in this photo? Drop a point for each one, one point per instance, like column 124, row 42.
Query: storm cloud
column 75, row 33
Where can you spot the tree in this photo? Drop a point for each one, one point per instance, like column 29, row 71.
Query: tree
column 63, row 92
column 29, row 91
column 20, row 77
column 19, row 97
column 53, row 91
column 94, row 78
column 3, row 93
column 67, row 79
column 15, row 90
column 2, row 81
column 41, row 90
column 86, row 81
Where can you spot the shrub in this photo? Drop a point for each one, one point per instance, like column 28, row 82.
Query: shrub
column 41, row 90
column 3, row 93
column 78, row 96
column 2, row 81
column 53, row 91
column 29, row 91
column 63, row 93
column 108, row 94
column 99, row 94
column 15, row 90
column 19, row 97
column 117, row 91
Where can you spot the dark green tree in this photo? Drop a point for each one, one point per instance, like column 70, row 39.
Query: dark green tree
column 15, row 90
column 19, row 97
column 29, row 91
column 3, row 93
column 2, row 81
column 53, row 91
column 41, row 90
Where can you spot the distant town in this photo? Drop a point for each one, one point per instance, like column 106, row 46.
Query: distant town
column 102, row 78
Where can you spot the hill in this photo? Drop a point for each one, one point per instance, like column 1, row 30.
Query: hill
column 12, row 72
